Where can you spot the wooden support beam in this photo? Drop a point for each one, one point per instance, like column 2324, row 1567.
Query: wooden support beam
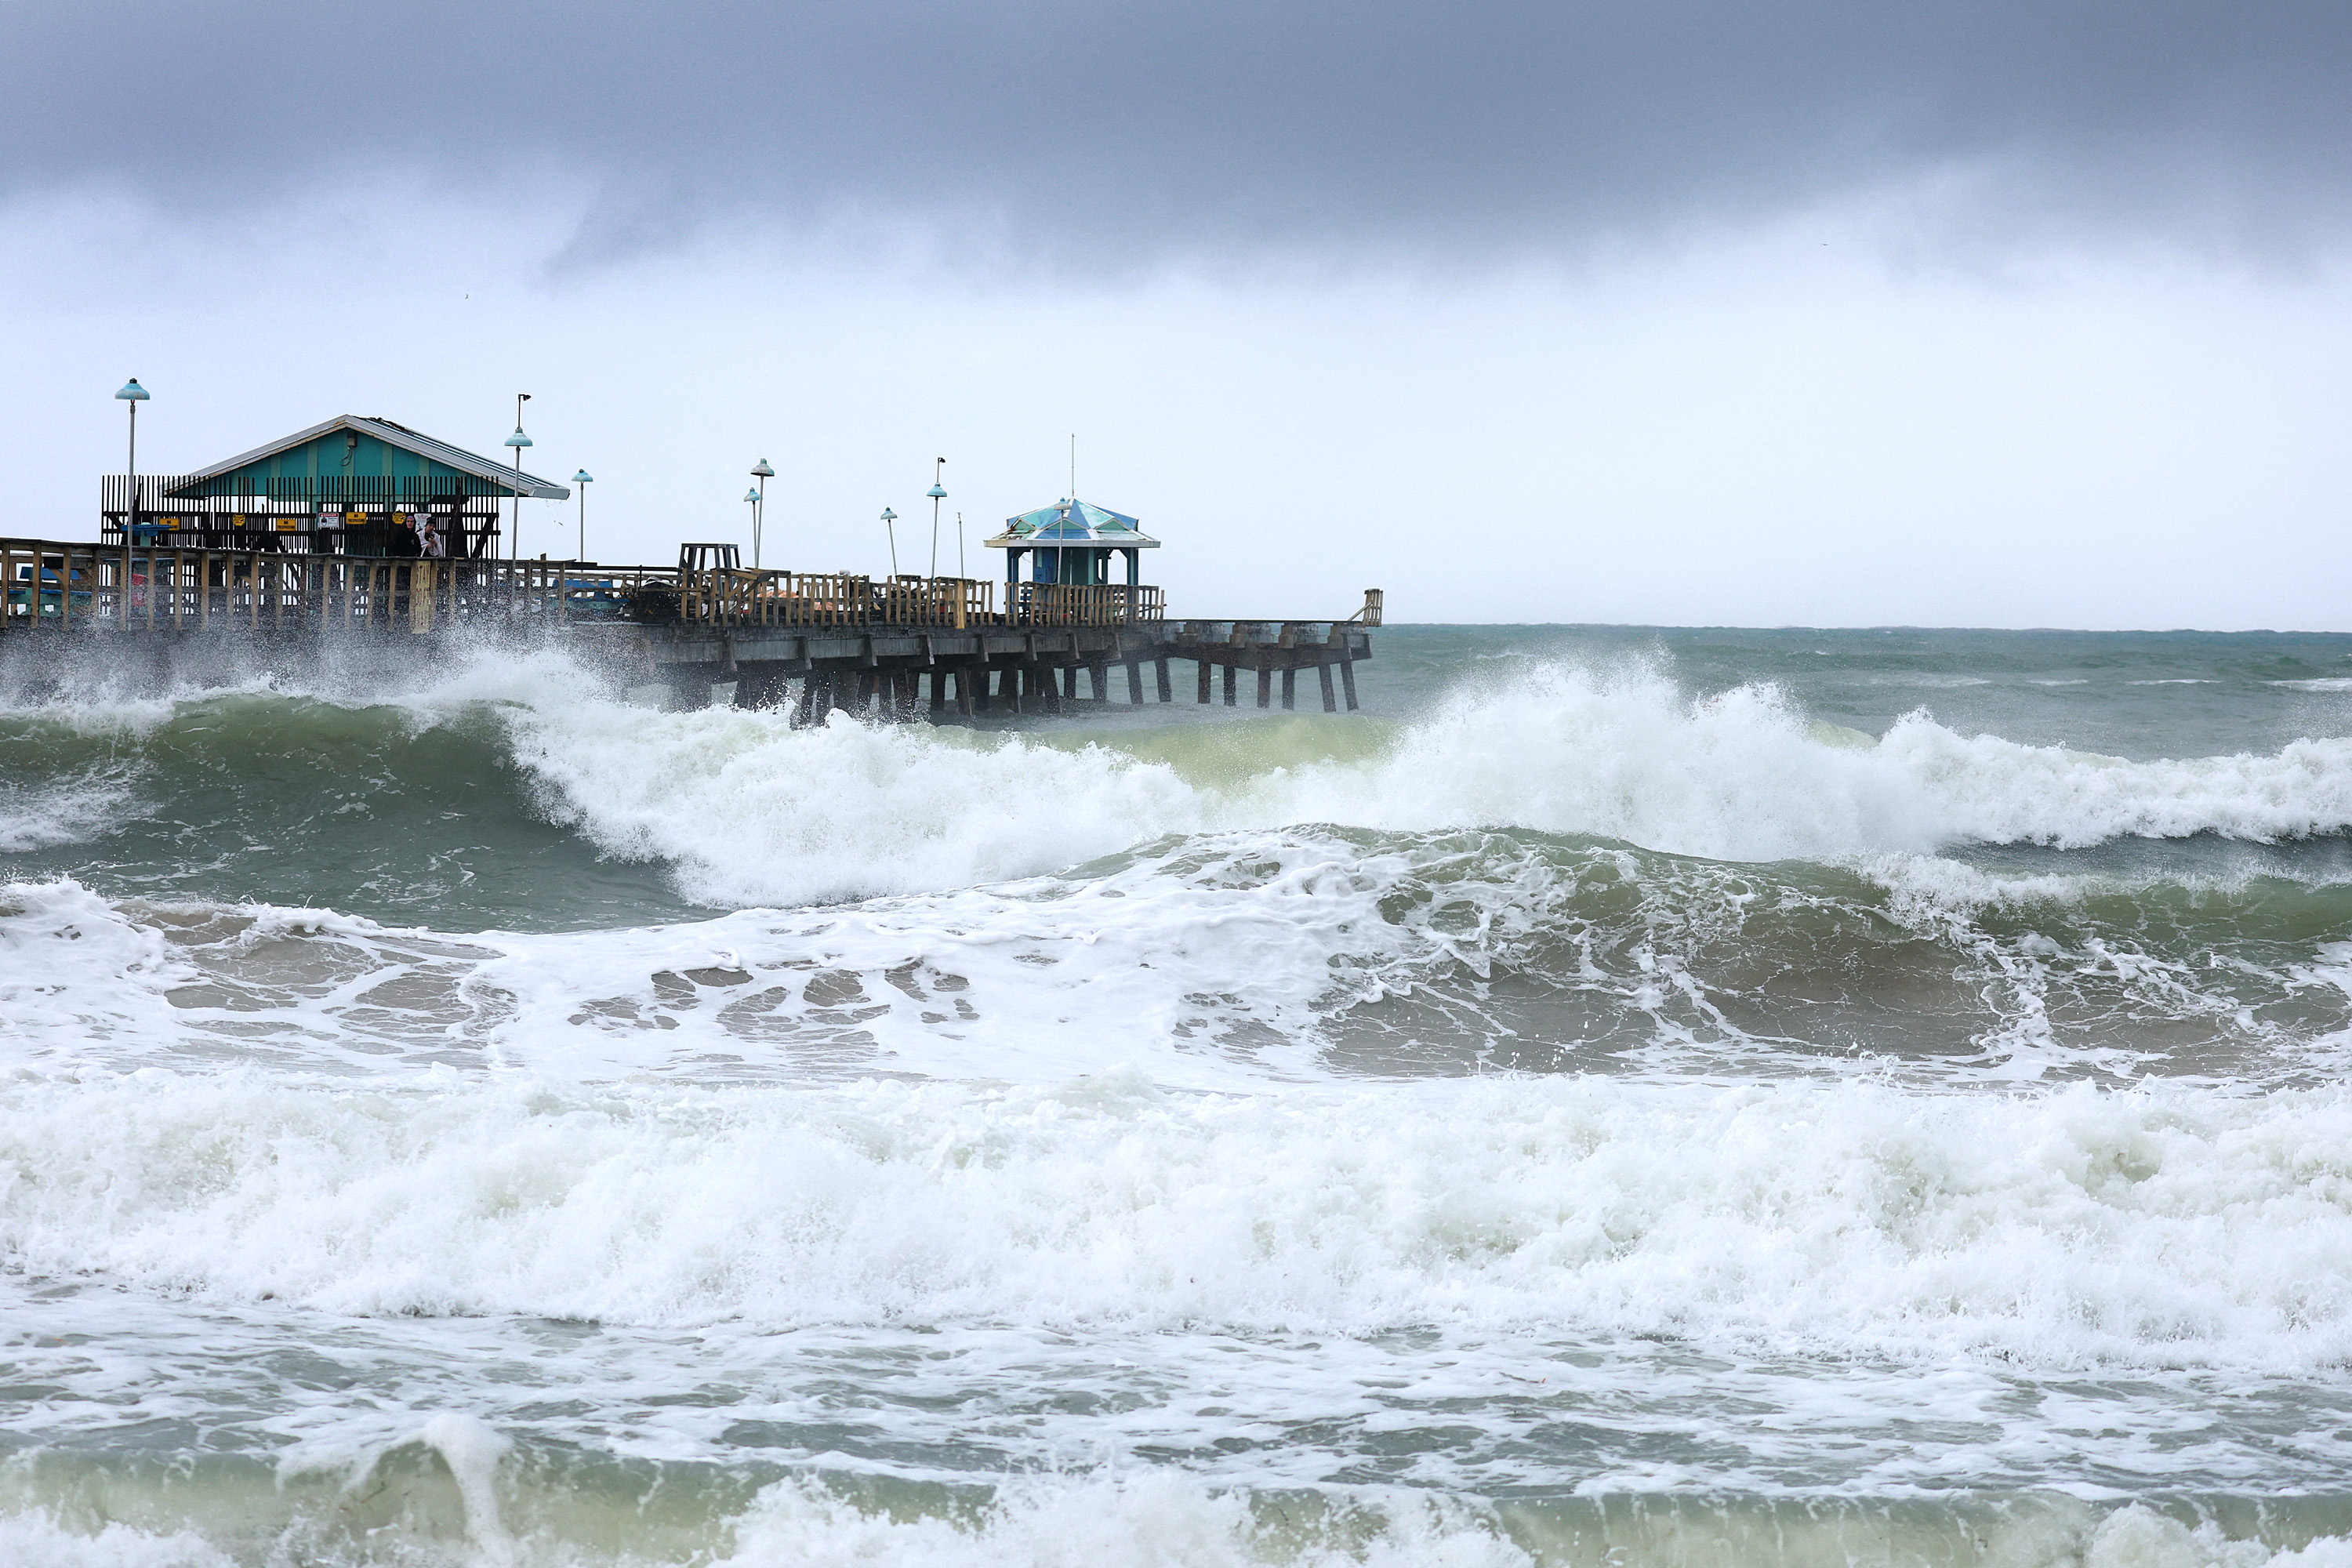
column 1229, row 685
column 1160, row 670
column 761, row 686
column 1264, row 686
column 1323, row 671
column 1203, row 667
column 1134, row 684
column 1348, row 682
column 1289, row 687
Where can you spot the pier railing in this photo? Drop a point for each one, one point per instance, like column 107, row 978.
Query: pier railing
column 131, row 587
column 743, row 597
column 127, row 589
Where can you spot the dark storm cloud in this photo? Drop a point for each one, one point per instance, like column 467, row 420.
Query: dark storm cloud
column 1094, row 132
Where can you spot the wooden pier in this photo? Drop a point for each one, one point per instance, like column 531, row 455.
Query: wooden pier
column 899, row 647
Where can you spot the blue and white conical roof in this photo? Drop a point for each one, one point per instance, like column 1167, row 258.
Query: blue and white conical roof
column 1075, row 524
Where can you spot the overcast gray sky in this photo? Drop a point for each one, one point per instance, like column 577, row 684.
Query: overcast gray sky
column 2003, row 313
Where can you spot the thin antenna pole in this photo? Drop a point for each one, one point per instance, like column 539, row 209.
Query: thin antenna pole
column 960, row 570
column 1073, row 465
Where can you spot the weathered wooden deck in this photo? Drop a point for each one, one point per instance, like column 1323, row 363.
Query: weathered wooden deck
column 899, row 647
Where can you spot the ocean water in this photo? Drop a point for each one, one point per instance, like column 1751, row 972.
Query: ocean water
column 1626, row 1097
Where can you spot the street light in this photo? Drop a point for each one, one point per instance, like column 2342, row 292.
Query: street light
column 134, row 395
column 752, row 500
column 761, row 471
column 584, row 479
column 889, row 518
column 937, row 495
column 517, row 441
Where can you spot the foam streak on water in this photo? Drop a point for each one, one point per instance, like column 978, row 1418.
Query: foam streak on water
column 1656, row 1098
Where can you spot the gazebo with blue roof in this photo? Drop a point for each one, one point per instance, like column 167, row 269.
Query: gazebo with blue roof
column 1071, row 542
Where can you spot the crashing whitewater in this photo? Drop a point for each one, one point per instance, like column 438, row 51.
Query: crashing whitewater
column 1575, row 1119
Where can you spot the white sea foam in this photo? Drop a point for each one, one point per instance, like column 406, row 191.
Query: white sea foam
column 752, row 812
column 1154, row 1519
column 2075, row 1228
column 1211, row 1192
column 78, row 975
column 39, row 1540
column 65, row 811
column 1227, row 960
column 1163, row 1519
column 1143, row 1520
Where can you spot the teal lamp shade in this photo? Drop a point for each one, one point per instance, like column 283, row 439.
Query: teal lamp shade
column 936, row 493
column 132, row 392
column 583, row 478
column 751, row 495
column 517, row 438
column 760, row 470
column 889, row 516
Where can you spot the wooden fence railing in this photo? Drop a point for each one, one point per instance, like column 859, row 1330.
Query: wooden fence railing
column 134, row 588
column 744, row 597
column 130, row 589
column 1067, row 604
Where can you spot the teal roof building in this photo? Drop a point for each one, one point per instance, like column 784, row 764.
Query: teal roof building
column 1072, row 541
column 344, row 483
column 354, row 458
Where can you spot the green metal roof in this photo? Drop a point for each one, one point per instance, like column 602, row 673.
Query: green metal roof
column 350, row 448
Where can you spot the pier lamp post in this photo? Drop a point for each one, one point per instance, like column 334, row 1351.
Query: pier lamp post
column 517, row 441
column 889, row 523
column 937, row 495
column 134, row 395
column 960, row 570
column 752, row 500
column 761, row 472
column 584, row 479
